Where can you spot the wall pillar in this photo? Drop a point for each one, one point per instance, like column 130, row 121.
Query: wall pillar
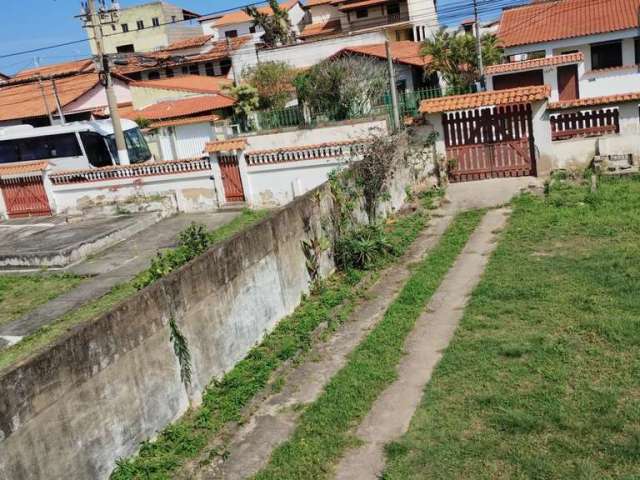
column 244, row 177
column 48, row 188
column 216, row 174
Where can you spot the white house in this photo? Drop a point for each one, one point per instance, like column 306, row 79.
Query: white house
column 237, row 23
column 581, row 48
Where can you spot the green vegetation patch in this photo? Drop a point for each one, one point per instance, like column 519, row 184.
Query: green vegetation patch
column 324, row 430
column 170, row 260
column 19, row 294
column 223, row 401
column 542, row 379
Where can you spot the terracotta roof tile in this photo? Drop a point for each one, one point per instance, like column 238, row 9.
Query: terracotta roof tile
column 240, row 16
column 18, row 168
column 593, row 101
column 345, row 6
column 185, row 121
column 191, row 42
column 535, row 63
column 317, row 29
column 124, row 109
column 403, row 52
column 24, row 100
column 166, row 58
column 554, row 20
column 78, row 66
column 225, row 145
column 483, row 99
column 315, row 3
column 186, row 83
column 183, row 107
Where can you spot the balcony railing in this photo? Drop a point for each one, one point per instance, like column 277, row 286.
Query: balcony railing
column 360, row 23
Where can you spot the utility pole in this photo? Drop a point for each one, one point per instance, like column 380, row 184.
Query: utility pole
column 478, row 44
column 44, row 99
column 93, row 19
column 63, row 121
column 392, row 85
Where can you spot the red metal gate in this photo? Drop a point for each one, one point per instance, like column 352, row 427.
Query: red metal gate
column 489, row 143
column 231, row 181
column 25, row 197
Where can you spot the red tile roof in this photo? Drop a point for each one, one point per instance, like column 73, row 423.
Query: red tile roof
column 317, row 29
column 19, row 168
column 192, row 42
column 185, row 121
column 240, row 16
column 345, row 6
column 535, row 63
column 483, row 99
column 403, row 51
column 167, row 58
column 78, row 66
column 225, row 145
column 25, row 100
column 315, row 3
column 557, row 19
column 186, row 83
column 593, row 101
column 183, row 107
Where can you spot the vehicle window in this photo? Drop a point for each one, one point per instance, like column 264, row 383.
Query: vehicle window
column 9, row 151
column 97, row 152
column 136, row 146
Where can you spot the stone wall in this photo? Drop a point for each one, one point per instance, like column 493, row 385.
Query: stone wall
column 70, row 411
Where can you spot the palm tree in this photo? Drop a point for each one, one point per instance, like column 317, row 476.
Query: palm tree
column 276, row 27
column 455, row 57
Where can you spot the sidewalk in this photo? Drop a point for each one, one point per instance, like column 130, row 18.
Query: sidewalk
column 115, row 265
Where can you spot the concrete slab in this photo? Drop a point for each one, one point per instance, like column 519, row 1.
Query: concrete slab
column 115, row 265
column 489, row 193
column 57, row 244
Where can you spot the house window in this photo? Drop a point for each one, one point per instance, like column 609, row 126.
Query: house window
column 173, row 19
column 231, row 34
column 393, row 9
column 637, row 43
column 194, row 69
column 606, row 55
column 155, row 21
column 362, row 13
column 169, row 72
column 140, row 24
column 225, row 66
column 125, row 27
column 125, row 48
column 208, row 68
column 185, row 70
column 153, row 75
column 252, row 29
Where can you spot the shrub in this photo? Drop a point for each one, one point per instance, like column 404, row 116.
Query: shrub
column 362, row 248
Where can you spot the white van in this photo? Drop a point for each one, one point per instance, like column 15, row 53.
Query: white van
column 76, row 145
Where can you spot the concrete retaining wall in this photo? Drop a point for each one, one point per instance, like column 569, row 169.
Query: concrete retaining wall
column 69, row 412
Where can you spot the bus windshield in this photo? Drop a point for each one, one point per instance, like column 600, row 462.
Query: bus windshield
column 136, row 146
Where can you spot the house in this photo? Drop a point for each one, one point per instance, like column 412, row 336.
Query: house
column 238, row 23
column 182, row 113
column 409, row 63
column 580, row 48
column 147, row 27
column 32, row 96
column 199, row 55
column 468, row 26
column 399, row 19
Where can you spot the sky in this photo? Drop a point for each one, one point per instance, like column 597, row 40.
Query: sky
column 29, row 24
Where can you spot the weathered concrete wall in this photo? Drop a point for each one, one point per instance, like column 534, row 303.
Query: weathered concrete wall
column 69, row 412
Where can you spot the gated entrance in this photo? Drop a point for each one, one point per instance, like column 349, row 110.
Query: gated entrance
column 489, row 142
column 231, row 181
column 25, row 197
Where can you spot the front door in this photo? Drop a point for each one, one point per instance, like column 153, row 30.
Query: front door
column 568, row 82
column 231, row 181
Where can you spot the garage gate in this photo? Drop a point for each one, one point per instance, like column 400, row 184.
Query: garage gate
column 490, row 142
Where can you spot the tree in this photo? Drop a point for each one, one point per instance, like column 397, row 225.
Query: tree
column 346, row 86
column 456, row 59
column 274, row 83
column 276, row 26
column 247, row 100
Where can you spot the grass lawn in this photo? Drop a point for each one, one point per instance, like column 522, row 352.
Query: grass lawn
column 20, row 294
column 542, row 379
column 324, row 430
